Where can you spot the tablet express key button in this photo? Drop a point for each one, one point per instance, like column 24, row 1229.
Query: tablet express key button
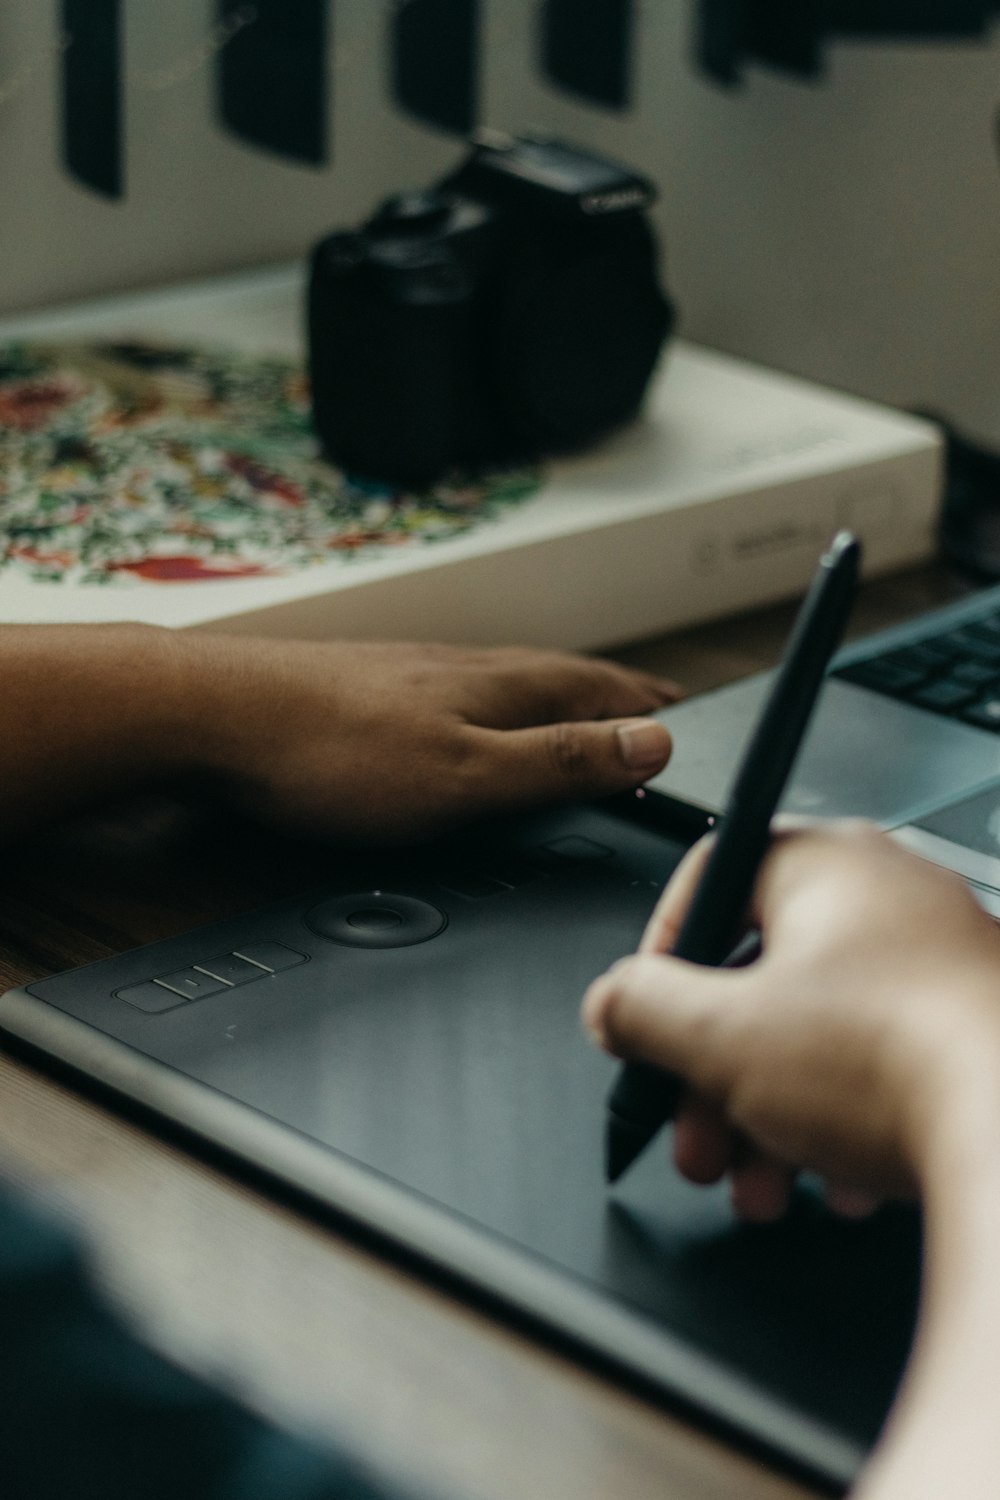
column 272, row 957
column 150, row 997
column 233, row 969
column 193, row 984
column 212, row 976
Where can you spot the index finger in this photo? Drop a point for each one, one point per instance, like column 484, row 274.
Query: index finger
column 519, row 688
column 665, row 923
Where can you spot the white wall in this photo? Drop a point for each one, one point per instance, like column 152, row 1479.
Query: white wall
column 197, row 199
column 849, row 232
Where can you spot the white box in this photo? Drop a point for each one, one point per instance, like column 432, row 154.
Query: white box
column 719, row 498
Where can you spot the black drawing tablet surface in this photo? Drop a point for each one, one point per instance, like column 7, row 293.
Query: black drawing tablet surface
column 406, row 1049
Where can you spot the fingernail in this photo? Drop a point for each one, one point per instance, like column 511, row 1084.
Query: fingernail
column 643, row 743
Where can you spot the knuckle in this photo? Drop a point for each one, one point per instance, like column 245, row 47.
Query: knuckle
column 568, row 749
column 624, row 985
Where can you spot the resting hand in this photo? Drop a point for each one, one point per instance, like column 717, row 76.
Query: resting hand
column 384, row 741
column 874, row 1006
column 371, row 742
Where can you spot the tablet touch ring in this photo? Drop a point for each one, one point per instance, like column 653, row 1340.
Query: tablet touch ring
column 376, row 919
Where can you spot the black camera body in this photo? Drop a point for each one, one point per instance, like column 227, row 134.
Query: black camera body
column 512, row 311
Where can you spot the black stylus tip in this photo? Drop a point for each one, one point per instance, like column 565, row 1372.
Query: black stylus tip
column 622, row 1144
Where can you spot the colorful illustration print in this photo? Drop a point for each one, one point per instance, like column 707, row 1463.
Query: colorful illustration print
column 131, row 464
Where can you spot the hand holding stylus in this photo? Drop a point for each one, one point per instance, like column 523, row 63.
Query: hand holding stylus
column 644, row 1097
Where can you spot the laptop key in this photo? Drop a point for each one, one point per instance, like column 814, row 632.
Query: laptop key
column 884, row 676
column 924, row 656
column 944, row 696
column 979, row 674
column 985, row 713
column 971, row 645
column 985, row 630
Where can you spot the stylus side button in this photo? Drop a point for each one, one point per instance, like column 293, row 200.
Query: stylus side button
column 150, row 997
column 270, row 956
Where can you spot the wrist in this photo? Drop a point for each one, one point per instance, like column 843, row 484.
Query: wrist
column 953, row 1122
column 147, row 729
column 940, row 1436
column 90, row 711
column 223, row 698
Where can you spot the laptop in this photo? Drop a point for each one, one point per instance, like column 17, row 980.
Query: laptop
column 399, row 1049
column 907, row 733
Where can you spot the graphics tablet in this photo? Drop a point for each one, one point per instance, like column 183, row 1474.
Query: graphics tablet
column 405, row 1050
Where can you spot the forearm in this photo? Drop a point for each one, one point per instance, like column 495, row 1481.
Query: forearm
column 944, row 1436
column 367, row 741
column 88, row 712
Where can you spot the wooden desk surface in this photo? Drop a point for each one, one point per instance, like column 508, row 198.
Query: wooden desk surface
column 309, row 1326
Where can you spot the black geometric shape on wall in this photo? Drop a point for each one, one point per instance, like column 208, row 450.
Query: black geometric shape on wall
column 792, row 37
column 91, row 122
column 272, row 77
column 587, row 48
column 435, row 62
column 926, row 19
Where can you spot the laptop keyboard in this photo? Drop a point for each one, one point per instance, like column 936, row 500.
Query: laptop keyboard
column 956, row 672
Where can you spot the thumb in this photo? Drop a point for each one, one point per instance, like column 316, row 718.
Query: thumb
column 576, row 759
column 677, row 1015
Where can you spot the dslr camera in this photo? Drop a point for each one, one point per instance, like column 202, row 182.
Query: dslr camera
column 511, row 311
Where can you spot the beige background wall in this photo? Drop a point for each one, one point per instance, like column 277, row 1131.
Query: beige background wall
column 849, row 232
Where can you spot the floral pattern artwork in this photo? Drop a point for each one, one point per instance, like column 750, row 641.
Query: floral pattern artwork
column 128, row 464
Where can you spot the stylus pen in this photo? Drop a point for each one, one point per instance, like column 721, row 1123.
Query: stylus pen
column 644, row 1097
